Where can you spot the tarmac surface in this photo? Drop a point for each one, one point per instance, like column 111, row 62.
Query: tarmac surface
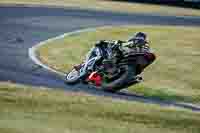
column 23, row 27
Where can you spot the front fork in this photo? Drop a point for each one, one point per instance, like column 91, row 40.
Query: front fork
column 88, row 65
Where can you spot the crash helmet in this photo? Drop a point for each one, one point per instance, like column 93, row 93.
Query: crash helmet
column 138, row 39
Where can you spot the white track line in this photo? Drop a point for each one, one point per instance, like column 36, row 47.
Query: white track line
column 33, row 51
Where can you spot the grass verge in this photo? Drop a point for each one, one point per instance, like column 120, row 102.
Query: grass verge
column 26, row 109
column 111, row 6
column 173, row 76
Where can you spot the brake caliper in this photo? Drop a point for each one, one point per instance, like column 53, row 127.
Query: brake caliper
column 95, row 78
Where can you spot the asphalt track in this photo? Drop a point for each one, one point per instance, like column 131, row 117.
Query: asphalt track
column 22, row 27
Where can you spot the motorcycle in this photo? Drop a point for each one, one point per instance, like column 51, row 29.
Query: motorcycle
column 114, row 73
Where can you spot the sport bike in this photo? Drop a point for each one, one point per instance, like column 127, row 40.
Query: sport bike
column 120, row 70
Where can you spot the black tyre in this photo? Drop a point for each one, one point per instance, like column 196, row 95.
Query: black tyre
column 72, row 77
column 124, row 80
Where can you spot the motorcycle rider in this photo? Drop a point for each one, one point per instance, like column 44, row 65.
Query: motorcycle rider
column 103, row 49
column 138, row 43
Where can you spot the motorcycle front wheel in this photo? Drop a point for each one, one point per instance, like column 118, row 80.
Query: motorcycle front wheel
column 125, row 79
column 72, row 77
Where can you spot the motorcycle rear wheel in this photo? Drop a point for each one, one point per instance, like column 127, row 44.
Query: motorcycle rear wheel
column 124, row 80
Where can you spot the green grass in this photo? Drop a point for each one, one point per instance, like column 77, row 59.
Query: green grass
column 27, row 109
column 174, row 75
column 111, row 6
